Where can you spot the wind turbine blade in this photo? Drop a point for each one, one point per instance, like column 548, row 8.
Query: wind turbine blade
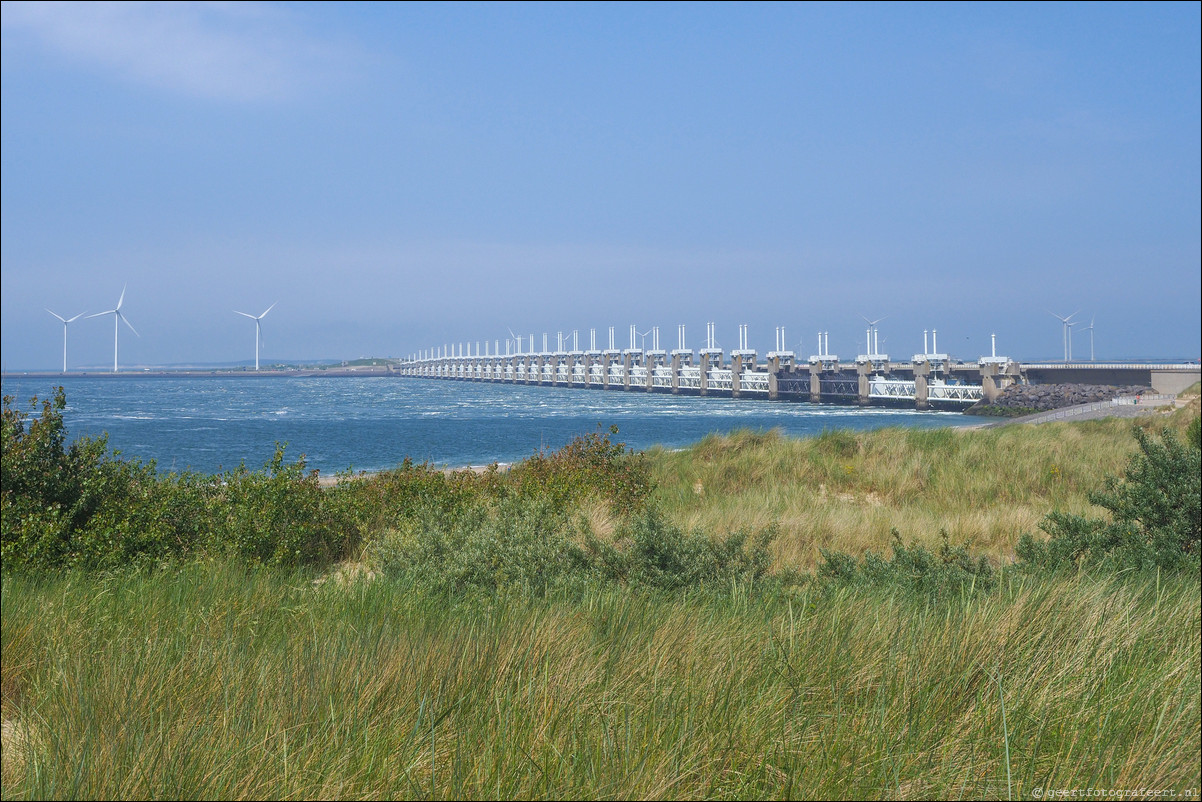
column 98, row 314
column 60, row 317
column 268, row 310
column 121, row 300
column 126, row 322
column 72, row 320
column 252, row 317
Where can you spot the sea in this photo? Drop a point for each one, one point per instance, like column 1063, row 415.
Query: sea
column 214, row 424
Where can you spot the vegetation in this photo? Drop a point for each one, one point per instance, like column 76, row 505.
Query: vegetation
column 717, row 622
column 949, row 572
column 1155, row 514
column 846, row 491
column 83, row 507
column 224, row 682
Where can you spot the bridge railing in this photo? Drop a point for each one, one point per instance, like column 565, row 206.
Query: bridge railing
column 720, row 378
column 890, row 388
column 690, row 377
column 968, row 393
column 753, row 381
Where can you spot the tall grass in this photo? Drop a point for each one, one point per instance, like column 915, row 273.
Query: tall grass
column 221, row 683
column 846, row 491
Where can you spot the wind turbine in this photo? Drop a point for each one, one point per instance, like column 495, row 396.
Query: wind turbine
column 65, row 322
column 514, row 338
column 1089, row 328
column 1068, row 348
column 117, row 318
column 871, row 332
column 258, row 329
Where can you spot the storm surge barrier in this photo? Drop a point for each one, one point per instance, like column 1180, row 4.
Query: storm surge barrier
column 929, row 380
column 925, row 381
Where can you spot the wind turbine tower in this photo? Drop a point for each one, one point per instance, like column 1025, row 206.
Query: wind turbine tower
column 873, row 344
column 1068, row 341
column 258, row 329
column 117, row 319
column 65, row 322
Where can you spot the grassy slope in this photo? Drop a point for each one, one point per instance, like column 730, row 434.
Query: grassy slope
column 846, row 491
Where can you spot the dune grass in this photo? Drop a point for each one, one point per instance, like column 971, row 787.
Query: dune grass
column 846, row 491
column 215, row 682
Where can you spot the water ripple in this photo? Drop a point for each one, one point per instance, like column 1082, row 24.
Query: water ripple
column 374, row 423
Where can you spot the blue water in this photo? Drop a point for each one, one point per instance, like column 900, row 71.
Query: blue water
column 373, row 423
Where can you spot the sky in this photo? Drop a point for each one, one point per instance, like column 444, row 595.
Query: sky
column 395, row 177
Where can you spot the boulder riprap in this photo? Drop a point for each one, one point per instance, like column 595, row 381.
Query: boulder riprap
column 1027, row 399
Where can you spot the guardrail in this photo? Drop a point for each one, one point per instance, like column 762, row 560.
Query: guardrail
column 1182, row 366
column 1149, row 400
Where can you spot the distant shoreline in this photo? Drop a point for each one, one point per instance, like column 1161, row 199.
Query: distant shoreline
column 202, row 373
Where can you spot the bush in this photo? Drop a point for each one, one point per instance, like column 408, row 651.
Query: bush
column 946, row 573
column 1156, row 514
column 665, row 556
column 521, row 545
column 71, row 506
column 590, row 464
column 530, row 545
column 280, row 516
column 383, row 502
column 83, row 507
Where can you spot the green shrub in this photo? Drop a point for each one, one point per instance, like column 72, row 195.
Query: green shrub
column 590, row 464
column 1155, row 509
column 520, row 545
column 72, row 506
column 530, row 545
column 946, row 573
column 661, row 555
column 84, row 507
column 280, row 516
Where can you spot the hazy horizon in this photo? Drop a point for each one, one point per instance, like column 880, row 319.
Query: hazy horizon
column 397, row 177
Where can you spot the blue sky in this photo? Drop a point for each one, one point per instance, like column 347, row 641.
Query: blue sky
column 399, row 176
